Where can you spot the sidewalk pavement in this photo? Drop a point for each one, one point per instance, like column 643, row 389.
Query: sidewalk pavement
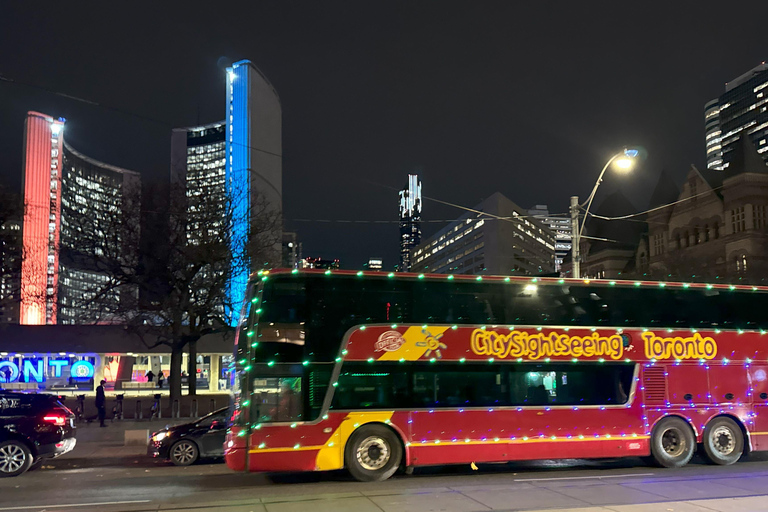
column 747, row 504
column 109, row 442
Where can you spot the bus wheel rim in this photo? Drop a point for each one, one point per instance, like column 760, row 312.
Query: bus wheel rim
column 373, row 453
column 723, row 440
column 673, row 442
column 183, row 452
column 11, row 458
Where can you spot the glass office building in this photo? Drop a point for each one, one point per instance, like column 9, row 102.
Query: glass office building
column 80, row 215
column 742, row 107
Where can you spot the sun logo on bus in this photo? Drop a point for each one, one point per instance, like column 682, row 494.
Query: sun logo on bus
column 433, row 344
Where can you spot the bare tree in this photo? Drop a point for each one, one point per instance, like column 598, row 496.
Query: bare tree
column 177, row 287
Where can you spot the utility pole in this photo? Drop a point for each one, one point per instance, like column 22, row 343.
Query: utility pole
column 575, row 238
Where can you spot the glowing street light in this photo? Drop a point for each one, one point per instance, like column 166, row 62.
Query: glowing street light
column 623, row 161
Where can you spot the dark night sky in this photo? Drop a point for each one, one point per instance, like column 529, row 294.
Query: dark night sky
column 526, row 98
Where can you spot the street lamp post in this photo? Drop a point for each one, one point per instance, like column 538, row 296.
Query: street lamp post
column 624, row 160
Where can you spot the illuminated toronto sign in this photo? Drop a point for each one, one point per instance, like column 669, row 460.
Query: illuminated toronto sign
column 33, row 370
column 678, row 347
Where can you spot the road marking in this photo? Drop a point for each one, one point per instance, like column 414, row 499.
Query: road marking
column 38, row 507
column 577, row 478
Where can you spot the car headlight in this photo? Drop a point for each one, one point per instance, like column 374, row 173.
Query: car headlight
column 159, row 436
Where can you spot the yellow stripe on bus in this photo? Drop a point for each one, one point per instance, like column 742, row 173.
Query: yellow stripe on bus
column 415, row 344
column 331, row 454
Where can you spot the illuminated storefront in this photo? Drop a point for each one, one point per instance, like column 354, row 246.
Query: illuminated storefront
column 32, row 359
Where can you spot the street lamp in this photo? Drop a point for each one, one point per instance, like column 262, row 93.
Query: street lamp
column 623, row 161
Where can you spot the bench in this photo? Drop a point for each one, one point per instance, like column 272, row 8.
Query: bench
column 139, row 385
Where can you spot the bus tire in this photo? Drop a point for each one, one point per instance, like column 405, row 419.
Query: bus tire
column 373, row 453
column 672, row 443
column 723, row 441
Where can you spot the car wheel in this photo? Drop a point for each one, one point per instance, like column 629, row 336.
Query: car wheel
column 373, row 453
column 672, row 443
column 15, row 458
column 723, row 441
column 184, row 453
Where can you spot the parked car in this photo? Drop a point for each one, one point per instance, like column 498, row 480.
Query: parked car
column 33, row 428
column 187, row 443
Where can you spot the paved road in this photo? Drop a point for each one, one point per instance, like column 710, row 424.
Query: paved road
column 110, row 478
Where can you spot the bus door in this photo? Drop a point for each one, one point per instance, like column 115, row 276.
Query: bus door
column 758, row 375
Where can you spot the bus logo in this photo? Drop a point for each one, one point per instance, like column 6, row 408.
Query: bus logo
column 433, row 344
column 389, row 341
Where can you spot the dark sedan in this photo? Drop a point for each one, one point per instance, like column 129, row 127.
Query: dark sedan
column 186, row 444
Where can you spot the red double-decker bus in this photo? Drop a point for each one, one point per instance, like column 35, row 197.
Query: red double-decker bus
column 374, row 372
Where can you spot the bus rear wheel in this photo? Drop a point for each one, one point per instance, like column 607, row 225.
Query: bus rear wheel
column 723, row 441
column 672, row 443
column 373, row 453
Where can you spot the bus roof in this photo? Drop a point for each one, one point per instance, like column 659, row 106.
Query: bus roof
column 516, row 279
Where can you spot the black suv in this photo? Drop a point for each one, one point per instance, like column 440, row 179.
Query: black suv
column 33, row 427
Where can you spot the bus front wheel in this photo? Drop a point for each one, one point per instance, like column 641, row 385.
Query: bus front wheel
column 672, row 443
column 373, row 453
column 723, row 441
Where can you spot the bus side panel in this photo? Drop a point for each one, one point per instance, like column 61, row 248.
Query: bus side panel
column 282, row 447
column 313, row 447
column 456, row 437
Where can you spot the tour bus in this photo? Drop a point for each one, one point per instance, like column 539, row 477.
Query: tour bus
column 374, row 372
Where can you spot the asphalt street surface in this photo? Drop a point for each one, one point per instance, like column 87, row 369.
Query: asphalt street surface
column 138, row 483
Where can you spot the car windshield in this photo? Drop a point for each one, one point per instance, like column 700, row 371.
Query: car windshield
column 207, row 421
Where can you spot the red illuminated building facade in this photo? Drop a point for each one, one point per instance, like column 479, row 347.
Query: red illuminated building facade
column 79, row 213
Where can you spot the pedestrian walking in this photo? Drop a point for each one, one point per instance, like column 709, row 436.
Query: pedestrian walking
column 160, row 379
column 101, row 403
column 150, row 376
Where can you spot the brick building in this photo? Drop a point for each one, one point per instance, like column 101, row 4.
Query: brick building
column 715, row 229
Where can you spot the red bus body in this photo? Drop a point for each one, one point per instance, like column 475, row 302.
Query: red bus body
column 695, row 375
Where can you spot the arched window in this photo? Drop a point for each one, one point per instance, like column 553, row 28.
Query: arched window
column 741, row 263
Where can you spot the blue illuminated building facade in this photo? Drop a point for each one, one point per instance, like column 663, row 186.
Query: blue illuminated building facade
column 253, row 174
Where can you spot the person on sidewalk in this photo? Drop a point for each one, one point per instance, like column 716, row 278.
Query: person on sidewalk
column 101, row 403
column 160, row 379
column 150, row 376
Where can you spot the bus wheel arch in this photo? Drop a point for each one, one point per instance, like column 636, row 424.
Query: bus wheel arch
column 374, row 452
column 673, row 441
column 724, row 439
